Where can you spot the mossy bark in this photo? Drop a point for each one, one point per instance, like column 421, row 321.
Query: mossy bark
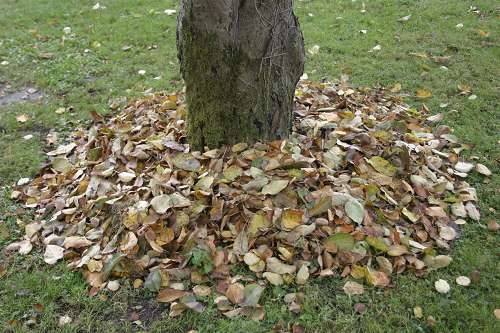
column 241, row 61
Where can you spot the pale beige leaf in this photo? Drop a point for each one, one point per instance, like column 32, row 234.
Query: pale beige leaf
column 353, row 288
column 276, row 266
column 275, row 187
column 302, row 275
column 113, row 285
column 442, row 286
column 76, row 242
column 447, row 233
column 25, row 247
column 472, row 211
column 273, row 278
column 483, row 169
column 202, row 291
column 463, row 281
column 52, row 254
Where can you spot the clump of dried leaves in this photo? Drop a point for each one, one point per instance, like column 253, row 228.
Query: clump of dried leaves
column 364, row 187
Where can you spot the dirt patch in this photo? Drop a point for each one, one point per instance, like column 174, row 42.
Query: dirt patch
column 37, row 128
column 144, row 312
column 27, row 94
column 139, row 310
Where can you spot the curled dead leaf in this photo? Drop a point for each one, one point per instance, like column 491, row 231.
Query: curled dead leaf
column 276, row 266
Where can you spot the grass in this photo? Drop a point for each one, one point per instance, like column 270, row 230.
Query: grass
column 87, row 70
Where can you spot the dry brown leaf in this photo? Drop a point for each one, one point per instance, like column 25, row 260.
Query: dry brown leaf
column 76, row 242
column 169, row 295
column 236, row 293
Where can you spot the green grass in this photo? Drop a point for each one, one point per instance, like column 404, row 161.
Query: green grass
column 86, row 81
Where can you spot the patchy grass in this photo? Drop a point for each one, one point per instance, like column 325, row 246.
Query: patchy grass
column 87, row 70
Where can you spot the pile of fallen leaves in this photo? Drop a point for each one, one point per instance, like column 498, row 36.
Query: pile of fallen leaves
column 365, row 187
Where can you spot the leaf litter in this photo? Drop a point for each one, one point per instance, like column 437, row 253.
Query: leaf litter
column 365, row 187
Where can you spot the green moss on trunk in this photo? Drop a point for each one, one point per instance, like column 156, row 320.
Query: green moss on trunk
column 232, row 94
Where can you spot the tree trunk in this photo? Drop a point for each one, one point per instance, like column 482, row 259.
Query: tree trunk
column 241, row 61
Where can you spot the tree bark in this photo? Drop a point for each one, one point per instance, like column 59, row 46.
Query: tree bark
column 241, row 61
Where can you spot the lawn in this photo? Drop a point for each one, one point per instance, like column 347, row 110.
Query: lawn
column 85, row 60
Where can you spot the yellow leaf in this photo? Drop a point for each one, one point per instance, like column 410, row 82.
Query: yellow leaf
column 377, row 278
column 382, row 165
column 417, row 311
column 464, row 89
column 377, row 243
column 358, row 272
column 423, row 93
column 291, row 218
column 420, row 55
column 483, row 33
column 396, row 88
column 258, row 222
